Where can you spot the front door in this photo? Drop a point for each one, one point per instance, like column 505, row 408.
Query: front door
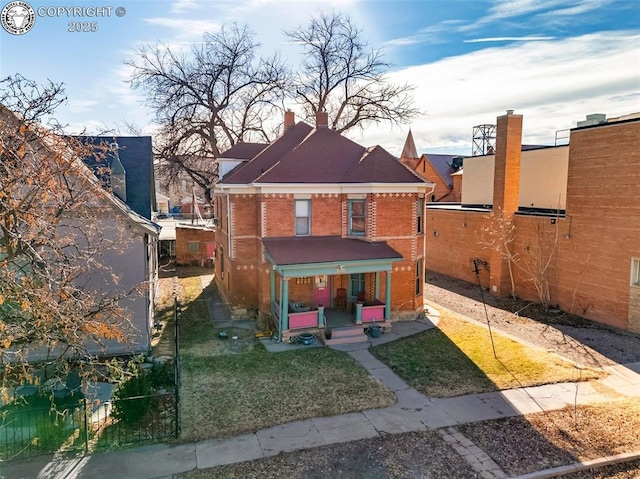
column 321, row 292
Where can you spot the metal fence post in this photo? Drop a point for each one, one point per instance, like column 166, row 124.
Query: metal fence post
column 176, row 365
column 86, row 425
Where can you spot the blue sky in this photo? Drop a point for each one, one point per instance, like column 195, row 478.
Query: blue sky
column 554, row 61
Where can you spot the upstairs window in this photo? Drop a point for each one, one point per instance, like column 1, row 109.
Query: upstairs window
column 303, row 217
column 357, row 217
column 420, row 228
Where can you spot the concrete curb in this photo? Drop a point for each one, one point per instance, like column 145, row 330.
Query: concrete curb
column 581, row 466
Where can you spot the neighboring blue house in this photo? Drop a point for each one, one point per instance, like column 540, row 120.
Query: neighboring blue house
column 136, row 157
column 127, row 170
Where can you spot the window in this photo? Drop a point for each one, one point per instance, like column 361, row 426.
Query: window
column 357, row 215
column 419, row 277
column 635, row 271
column 194, row 245
column 303, row 217
column 356, row 284
column 420, row 215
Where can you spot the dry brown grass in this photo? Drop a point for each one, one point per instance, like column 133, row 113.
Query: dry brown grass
column 538, row 441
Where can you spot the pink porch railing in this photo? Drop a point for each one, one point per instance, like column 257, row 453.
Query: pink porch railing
column 307, row 319
column 373, row 313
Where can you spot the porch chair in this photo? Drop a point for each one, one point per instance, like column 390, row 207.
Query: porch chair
column 340, row 300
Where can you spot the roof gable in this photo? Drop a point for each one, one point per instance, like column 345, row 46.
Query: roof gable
column 442, row 165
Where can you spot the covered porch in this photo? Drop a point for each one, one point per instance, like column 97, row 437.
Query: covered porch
column 328, row 282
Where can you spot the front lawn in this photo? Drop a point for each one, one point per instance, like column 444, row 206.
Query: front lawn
column 457, row 359
column 234, row 386
column 233, row 394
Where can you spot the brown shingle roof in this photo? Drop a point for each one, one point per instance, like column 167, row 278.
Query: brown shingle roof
column 268, row 157
column 244, row 151
column 307, row 155
column 325, row 249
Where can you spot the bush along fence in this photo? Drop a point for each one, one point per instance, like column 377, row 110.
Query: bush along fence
column 142, row 409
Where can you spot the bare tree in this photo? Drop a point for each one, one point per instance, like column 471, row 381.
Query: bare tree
column 58, row 299
column 208, row 99
column 499, row 233
column 341, row 75
column 534, row 259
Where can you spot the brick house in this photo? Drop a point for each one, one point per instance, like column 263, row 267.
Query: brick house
column 441, row 170
column 195, row 244
column 315, row 227
column 573, row 206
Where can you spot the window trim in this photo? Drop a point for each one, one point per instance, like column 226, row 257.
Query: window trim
column 635, row 272
column 419, row 276
column 361, row 279
column 295, row 218
column 420, row 211
column 364, row 217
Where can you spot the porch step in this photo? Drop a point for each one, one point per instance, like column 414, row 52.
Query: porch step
column 352, row 334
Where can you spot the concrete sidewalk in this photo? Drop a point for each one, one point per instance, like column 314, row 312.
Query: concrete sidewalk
column 413, row 411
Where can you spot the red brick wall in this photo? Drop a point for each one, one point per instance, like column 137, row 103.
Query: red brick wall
column 589, row 272
column 457, row 188
column 184, row 236
column 441, row 191
column 604, row 215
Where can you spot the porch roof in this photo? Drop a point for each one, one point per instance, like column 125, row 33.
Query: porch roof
column 329, row 251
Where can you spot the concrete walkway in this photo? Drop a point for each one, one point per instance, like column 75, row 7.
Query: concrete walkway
column 413, row 411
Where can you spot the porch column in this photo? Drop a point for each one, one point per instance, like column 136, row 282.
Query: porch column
column 280, row 319
column 377, row 292
column 284, row 307
column 358, row 313
column 272, row 277
column 387, row 297
column 321, row 316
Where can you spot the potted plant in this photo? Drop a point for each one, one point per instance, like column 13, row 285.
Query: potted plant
column 328, row 333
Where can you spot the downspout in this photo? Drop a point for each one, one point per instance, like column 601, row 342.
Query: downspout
column 424, row 243
column 228, row 226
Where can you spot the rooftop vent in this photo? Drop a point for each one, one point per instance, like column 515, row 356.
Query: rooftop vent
column 593, row 119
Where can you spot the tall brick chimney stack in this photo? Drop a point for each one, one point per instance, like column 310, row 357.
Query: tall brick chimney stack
column 322, row 119
column 506, row 188
column 289, row 119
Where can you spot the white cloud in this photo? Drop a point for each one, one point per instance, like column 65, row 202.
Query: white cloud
column 186, row 29
column 81, row 106
column 509, row 39
column 181, row 6
column 553, row 84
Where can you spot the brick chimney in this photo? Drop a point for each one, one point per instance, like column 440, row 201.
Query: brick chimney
column 289, row 119
column 506, row 188
column 322, row 119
